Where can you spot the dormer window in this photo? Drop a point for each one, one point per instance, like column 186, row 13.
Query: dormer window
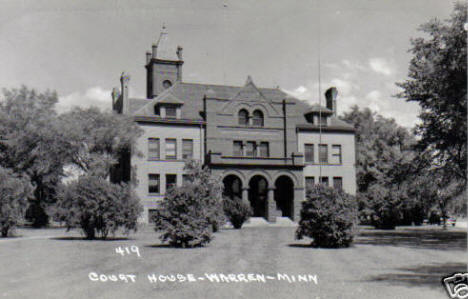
column 318, row 115
column 257, row 119
column 171, row 111
column 322, row 120
column 243, row 117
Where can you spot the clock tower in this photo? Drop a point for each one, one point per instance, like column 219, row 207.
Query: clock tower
column 163, row 66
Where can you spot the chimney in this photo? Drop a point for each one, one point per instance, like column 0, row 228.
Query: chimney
column 148, row 57
column 115, row 97
column 330, row 96
column 179, row 52
column 124, row 79
column 155, row 50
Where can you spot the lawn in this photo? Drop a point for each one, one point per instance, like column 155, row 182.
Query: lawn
column 406, row 263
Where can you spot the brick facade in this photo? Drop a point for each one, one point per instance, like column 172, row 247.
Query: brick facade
column 264, row 144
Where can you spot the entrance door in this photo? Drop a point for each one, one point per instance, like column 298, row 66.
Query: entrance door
column 258, row 191
column 284, row 195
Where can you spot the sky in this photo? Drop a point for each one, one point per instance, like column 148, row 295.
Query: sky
column 80, row 48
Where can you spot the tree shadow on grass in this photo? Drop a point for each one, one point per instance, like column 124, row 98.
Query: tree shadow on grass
column 419, row 239
column 111, row 239
column 421, row 275
column 168, row 246
column 309, row 246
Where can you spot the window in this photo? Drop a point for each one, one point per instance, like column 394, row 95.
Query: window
column 237, row 149
column 171, row 149
column 336, row 154
column 338, row 182
column 157, row 111
column 153, row 183
column 171, row 111
column 309, row 152
column 243, row 117
column 251, row 150
column 322, row 119
column 153, row 148
column 257, row 119
column 323, row 153
column 324, row 180
column 166, row 84
column 171, row 181
column 187, row 149
column 310, row 182
column 264, row 149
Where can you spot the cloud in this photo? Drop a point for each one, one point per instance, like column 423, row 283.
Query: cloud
column 94, row 96
column 358, row 84
column 381, row 66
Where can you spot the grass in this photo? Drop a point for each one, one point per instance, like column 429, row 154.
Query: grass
column 406, row 263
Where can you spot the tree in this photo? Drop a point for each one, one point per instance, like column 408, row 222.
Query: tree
column 97, row 141
column 329, row 217
column 97, row 206
column 437, row 82
column 30, row 143
column 385, row 166
column 14, row 191
column 196, row 173
column 191, row 213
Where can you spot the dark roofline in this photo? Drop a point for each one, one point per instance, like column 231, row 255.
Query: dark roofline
column 337, row 129
column 158, row 120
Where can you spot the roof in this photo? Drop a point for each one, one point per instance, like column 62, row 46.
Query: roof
column 165, row 50
column 318, row 109
column 191, row 96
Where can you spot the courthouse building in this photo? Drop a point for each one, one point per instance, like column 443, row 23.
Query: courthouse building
column 265, row 145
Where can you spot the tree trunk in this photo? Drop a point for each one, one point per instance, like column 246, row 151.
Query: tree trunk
column 5, row 232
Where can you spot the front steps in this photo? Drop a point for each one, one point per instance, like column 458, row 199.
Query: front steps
column 260, row 221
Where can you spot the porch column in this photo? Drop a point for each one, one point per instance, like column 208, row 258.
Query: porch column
column 245, row 194
column 271, row 206
column 299, row 197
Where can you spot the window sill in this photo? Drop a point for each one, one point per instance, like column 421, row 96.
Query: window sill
column 323, row 164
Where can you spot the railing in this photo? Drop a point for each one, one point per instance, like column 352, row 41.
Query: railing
column 296, row 159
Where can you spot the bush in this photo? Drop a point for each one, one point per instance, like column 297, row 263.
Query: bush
column 14, row 191
column 328, row 216
column 237, row 211
column 97, row 206
column 190, row 214
column 183, row 218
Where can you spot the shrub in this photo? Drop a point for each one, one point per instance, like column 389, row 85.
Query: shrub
column 190, row 214
column 211, row 189
column 97, row 206
column 237, row 211
column 328, row 216
column 14, row 191
column 183, row 218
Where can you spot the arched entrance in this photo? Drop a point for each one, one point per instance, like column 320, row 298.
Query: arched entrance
column 258, row 191
column 232, row 187
column 284, row 196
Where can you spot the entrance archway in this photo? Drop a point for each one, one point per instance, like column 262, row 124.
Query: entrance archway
column 232, row 187
column 258, row 192
column 284, row 195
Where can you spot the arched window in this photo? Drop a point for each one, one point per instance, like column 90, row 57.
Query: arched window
column 243, row 117
column 257, row 119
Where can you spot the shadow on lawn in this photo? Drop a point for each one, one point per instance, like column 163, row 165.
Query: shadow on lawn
column 420, row 276
column 420, row 239
column 111, row 239
column 168, row 246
